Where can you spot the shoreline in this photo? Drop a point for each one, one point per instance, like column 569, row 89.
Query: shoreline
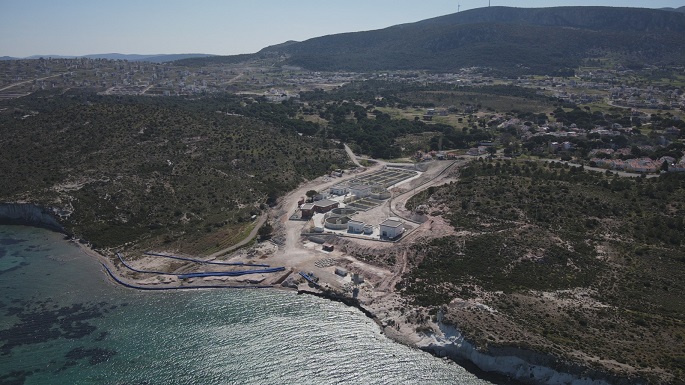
column 441, row 345
column 378, row 300
column 115, row 279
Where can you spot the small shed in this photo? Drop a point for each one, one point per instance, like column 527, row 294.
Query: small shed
column 328, row 247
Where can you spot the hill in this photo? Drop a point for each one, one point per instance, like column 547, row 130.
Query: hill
column 580, row 265
column 512, row 40
column 681, row 9
column 150, row 171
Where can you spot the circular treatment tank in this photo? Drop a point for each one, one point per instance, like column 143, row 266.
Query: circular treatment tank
column 342, row 212
column 336, row 223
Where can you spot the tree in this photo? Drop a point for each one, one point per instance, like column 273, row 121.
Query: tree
column 492, row 151
column 265, row 231
column 311, row 193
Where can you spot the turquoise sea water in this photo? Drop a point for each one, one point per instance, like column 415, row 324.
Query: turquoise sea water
column 62, row 321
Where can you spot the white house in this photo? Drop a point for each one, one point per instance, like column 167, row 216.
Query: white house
column 391, row 228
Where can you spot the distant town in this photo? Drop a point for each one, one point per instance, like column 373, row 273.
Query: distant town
column 645, row 106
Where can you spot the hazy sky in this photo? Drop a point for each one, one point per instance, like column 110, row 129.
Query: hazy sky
column 79, row 27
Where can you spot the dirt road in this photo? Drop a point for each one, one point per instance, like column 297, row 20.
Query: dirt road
column 28, row 81
column 250, row 237
column 353, row 157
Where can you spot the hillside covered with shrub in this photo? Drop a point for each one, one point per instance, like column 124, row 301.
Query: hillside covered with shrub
column 132, row 169
column 509, row 40
column 578, row 264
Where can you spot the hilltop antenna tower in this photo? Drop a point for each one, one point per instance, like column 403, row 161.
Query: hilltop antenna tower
column 458, row 7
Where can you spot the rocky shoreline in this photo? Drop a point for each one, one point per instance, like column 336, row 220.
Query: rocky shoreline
column 497, row 364
column 441, row 339
column 28, row 214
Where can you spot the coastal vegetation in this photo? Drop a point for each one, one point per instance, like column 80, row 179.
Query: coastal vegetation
column 569, row 260
column 566, row 259
column 124, row 170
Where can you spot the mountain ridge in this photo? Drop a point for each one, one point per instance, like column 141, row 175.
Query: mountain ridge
column 537, row 40
column 508, row 40
column 679, row 9
column 586, row 17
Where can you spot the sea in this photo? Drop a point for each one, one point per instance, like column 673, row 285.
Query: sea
column 64, row 321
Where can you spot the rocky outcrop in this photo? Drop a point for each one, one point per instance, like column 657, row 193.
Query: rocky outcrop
column 29, row 215
column 525, row 366
column 349, row 301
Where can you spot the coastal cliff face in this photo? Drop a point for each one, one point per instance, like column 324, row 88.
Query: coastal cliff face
column 524, row 366
column 30, row 215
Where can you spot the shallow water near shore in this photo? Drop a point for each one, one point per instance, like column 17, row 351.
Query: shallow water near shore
column 63, row 321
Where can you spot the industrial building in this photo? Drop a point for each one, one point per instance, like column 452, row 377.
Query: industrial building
column 340, row 189
column 360, row 190
column 391, row 228
column 322, row 206
column 356, row 227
